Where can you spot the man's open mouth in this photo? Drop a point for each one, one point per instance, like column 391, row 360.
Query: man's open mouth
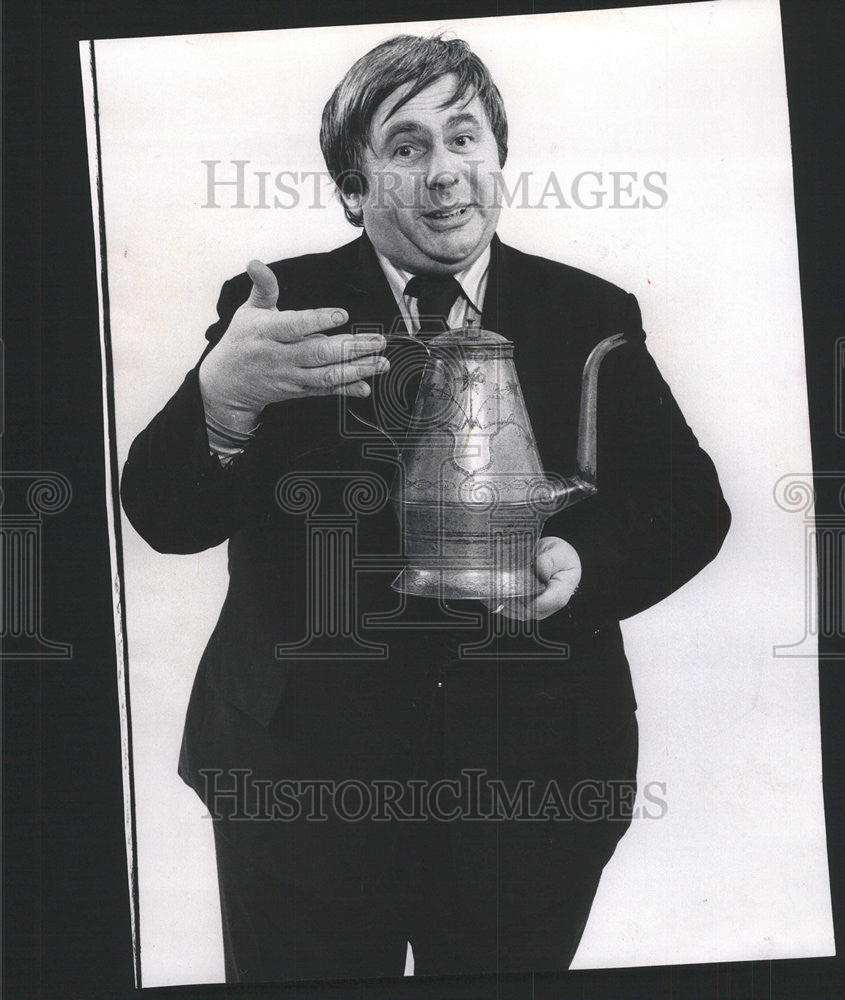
column 448, row 213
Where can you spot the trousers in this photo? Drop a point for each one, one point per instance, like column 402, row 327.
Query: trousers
column 274, row 931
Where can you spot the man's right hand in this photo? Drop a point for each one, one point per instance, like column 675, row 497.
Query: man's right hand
column 267, row 356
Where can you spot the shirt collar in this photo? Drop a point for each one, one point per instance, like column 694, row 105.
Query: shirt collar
column 469, row 279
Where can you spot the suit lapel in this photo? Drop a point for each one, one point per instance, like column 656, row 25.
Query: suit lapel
column 372, row 300
column 495, row 313
column 372, row 308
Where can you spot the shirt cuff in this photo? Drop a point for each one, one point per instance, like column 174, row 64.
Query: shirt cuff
column 224, row 442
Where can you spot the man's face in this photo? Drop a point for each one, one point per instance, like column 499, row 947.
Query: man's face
column 432, row 200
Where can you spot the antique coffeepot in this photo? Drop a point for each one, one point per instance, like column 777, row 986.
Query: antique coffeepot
column 471, row 495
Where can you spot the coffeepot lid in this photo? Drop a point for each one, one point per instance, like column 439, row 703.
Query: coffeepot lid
column 469, row 336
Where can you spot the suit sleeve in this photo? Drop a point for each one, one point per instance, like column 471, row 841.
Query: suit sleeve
column 659, row 515
column 175, row 492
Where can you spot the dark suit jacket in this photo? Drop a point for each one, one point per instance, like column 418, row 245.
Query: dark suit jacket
column 657, row 519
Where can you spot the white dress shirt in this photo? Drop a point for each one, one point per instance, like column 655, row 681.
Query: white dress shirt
column 467, row 308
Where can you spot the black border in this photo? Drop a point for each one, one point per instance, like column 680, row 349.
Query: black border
column 66, row 930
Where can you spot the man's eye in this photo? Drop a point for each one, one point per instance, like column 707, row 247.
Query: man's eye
column 404, row 151
column 464, row 140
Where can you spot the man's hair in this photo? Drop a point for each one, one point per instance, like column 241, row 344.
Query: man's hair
column 403, row 59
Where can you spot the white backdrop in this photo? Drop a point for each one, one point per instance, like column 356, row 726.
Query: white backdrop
column 736, row 869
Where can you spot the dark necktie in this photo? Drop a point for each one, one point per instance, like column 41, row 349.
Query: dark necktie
column 435, row 295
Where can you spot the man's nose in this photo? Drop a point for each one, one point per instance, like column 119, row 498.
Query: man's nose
column 442, row 169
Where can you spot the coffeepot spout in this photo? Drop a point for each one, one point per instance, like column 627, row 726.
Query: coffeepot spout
column 568, row 492
column 583, row 484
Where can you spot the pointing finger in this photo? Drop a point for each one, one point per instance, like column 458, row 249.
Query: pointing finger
column 360, row 389
column 330, row 377
column 315, row 351
column 298, row 324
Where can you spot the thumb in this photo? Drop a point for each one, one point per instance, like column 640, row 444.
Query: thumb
column 554, row 556
column 547, row 558
column 545, row 567
column 265, row 288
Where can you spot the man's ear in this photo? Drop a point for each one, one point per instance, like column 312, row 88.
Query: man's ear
column 352, row 202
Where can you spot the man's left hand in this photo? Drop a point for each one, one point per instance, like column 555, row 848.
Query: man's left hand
column 559, row 569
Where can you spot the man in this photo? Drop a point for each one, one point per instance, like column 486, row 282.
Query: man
column 414, row 136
